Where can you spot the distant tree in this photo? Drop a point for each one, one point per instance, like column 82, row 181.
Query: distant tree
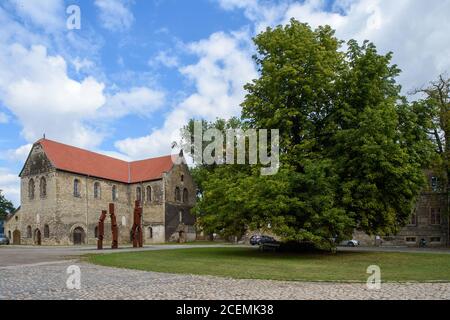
column 436, row 106
column 6, row 207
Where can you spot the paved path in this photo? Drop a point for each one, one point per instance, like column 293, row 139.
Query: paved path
column 48, row 281
column 396, row 249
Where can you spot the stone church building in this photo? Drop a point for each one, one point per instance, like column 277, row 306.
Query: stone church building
column 64, row 189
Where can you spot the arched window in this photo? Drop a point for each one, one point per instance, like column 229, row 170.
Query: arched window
column 150, row 232
column 76, row 188
column 114, row 193
column 185, row 195
column 9, row 234
column 97, row 190
column 149, row 194
column 43, row 187
column 29, row 232
column 182, row 177
column 139, row 194
column 46, row 231
column 31, row 189
column 177, row 194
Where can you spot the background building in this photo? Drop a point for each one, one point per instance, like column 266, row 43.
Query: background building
column 429, row 220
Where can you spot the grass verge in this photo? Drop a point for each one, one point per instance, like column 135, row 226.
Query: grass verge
column 248, row 263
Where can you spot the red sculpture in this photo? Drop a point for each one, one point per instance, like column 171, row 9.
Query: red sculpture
column 114, row 228
column 136, row 231
column 101, row 230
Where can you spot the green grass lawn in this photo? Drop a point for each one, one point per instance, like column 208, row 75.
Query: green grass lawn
column 248, row 263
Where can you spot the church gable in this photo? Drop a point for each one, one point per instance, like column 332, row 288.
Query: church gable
column 37, row 162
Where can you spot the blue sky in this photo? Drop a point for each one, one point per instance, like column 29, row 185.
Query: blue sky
column 134, row 73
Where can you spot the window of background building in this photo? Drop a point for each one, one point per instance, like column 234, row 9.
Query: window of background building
column 435, row 216
column 413, row 220
column 435, row 184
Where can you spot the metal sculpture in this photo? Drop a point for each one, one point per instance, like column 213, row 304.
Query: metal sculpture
column 114, row 228
column 101, row 230
column 136, row 231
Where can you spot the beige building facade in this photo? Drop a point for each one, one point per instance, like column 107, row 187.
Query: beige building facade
column 64, row 189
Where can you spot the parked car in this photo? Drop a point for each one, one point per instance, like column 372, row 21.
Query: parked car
column 4, row 240
column 261, row 239
column 350, row 243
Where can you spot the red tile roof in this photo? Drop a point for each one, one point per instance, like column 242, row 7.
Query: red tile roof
column 76, row 160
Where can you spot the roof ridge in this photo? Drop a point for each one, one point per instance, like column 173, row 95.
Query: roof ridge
column 98, row 153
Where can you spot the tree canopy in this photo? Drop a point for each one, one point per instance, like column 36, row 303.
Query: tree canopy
column 352, row 149
column 6, row 206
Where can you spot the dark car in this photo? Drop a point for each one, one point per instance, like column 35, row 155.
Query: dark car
column 4, row 240
column 257, row 240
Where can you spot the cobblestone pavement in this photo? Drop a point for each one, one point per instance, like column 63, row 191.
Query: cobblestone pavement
column 48, row 281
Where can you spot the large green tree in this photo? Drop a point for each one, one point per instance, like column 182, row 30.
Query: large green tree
column 352, row 148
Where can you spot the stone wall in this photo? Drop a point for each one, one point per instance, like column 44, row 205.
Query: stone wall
column 178, row 217
column 83, row 211
column 423, row 229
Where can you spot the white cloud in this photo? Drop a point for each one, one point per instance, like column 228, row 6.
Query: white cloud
column 54, row 103
column 115, row 15
column 223, row 67
column 47, row 14
column 142, row 101
column 10, row 186
column 165, row 59
column 82, row 64
column 17, row 155
column 3, row 118
column 416, row 31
